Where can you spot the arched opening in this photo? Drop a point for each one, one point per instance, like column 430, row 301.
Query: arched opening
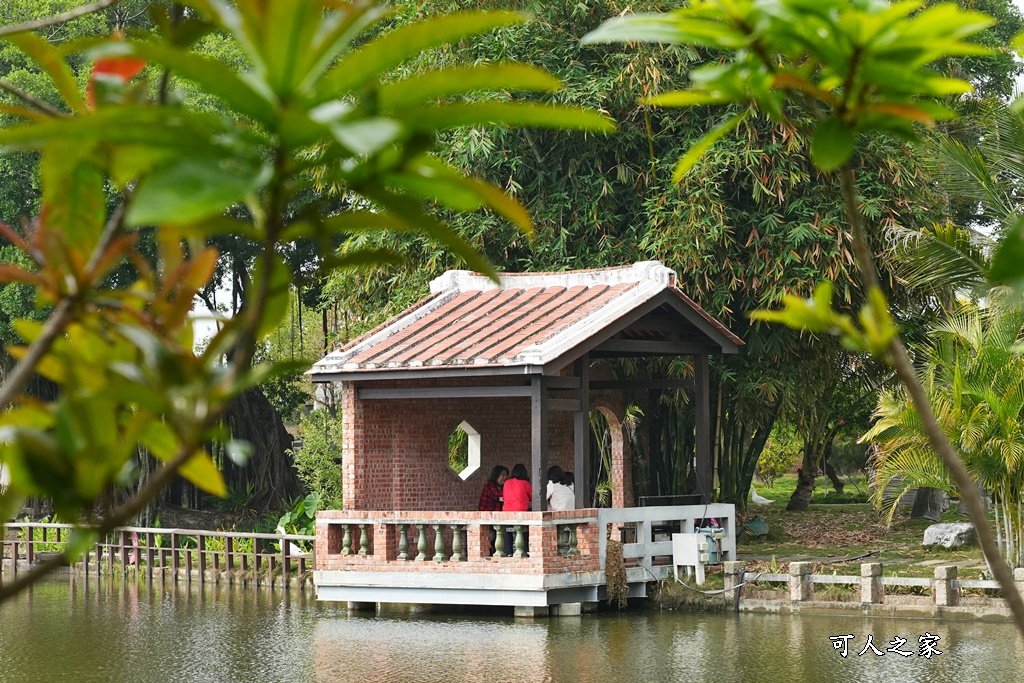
column 611, row 479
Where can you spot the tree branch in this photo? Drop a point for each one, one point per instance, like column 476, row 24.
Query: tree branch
column 58, row 322
column 37, row 24
column 30, row 99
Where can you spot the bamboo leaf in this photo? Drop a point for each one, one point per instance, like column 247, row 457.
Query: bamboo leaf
column 694, row 154
column 372, row 60
column 516, row 114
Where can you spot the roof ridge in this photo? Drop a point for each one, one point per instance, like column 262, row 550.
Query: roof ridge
column 643, row 271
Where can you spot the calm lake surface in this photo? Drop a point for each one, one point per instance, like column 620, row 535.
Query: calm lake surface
column 103, row 630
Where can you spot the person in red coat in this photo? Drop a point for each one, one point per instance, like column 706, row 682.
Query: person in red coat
column 518, row 495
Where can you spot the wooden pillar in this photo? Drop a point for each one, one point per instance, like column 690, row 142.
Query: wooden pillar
column 538, row 440
column 702, row 396
column 581, row 432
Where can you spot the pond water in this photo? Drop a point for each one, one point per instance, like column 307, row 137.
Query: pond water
column 71, row 630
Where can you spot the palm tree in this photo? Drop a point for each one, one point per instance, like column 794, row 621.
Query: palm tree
column 973, row 373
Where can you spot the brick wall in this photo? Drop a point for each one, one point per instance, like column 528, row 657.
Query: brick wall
column 395, row 451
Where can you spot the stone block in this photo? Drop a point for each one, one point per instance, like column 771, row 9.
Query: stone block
column 567, row 609
column 871, row 587
column 800, row 587
column 949, row 536
column 530, row 612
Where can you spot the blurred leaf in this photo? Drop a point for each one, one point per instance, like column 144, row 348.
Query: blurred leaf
column 434, row 85
column 278, row 295
column 238, row 451
column 200, row 470
column 75, row 203
column 194, row 188
column 375, row 58
column 666, row 28
column 1008, row 261
column 509, row 114
column 50, row 60
column 364, row 258
column 214, row 76
column 832, row 144
column 687, row 98
column 80, row 541
column 160, row 439
column 412, row 214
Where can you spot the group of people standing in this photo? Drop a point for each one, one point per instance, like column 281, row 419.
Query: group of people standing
column 505, row 492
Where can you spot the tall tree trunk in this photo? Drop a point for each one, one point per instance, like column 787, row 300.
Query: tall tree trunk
column 252, row 418
column 806, row 475
column 928, row 504
column 833, row 476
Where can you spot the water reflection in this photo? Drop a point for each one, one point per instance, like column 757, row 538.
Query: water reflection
column 104, row 630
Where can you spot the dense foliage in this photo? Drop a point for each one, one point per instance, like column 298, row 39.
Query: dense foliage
column 752, row 220
column 314, row 100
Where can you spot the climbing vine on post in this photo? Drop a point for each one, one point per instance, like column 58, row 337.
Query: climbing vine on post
column 861, row 67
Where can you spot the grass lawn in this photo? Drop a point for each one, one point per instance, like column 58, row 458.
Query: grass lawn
column 837, row 528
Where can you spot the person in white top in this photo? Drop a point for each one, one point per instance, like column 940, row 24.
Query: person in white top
column 561, row 491
column 554, row 477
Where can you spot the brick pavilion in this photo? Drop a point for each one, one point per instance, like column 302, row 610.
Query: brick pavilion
column 510, row 365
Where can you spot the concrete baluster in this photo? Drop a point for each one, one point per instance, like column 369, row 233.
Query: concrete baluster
column 499, row 542
column 439, row 555
column 421, row 543
column 403, row 542
column 573, row 541
column 346, row 540
column 520, row 542
column 364, row 541
column 457, row 555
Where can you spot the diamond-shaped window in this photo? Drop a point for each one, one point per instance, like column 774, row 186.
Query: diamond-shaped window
column 464, row 450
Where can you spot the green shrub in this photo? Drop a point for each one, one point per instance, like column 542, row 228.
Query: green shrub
column 318, row 459
column 778, row 456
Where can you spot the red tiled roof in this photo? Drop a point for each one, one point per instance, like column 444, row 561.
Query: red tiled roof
column 531, row 319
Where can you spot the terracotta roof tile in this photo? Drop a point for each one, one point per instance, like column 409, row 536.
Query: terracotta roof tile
column 532, row 319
